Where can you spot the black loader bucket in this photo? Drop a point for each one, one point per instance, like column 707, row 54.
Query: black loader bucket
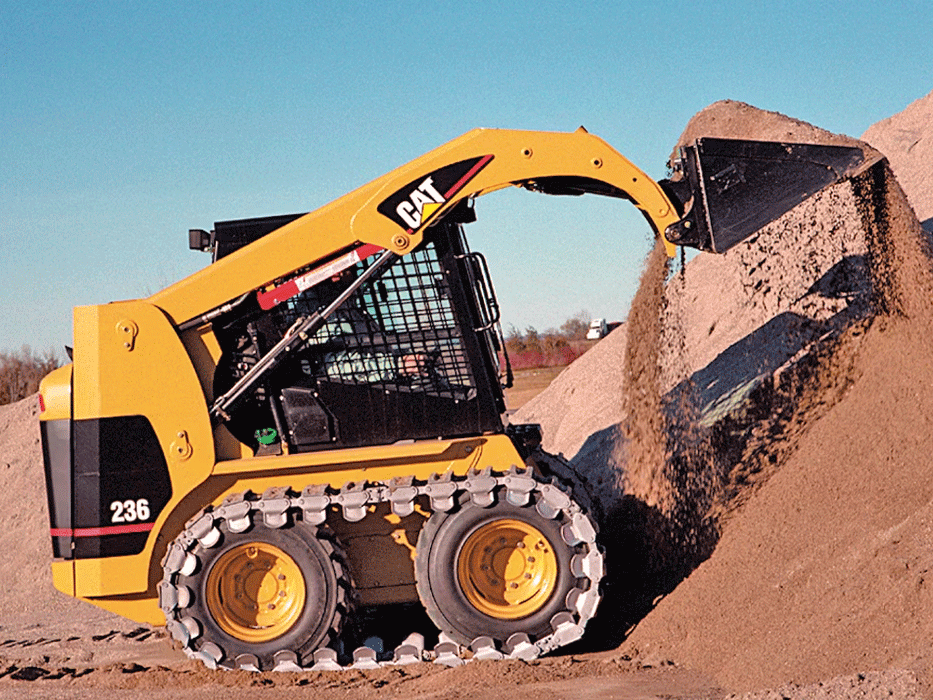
column 732, row 188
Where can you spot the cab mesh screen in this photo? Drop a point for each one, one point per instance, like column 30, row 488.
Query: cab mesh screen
column 398, row 331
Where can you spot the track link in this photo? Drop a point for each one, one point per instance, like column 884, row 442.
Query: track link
column 274, row 507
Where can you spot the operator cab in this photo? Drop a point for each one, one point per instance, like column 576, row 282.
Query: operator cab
column 415, row 353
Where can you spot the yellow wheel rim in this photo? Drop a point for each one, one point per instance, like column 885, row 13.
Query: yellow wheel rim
column 255, row 592
column 507, row 569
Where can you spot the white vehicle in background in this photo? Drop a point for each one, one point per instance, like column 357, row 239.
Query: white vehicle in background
column 597, row 329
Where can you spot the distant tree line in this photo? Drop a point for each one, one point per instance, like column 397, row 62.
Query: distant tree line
column 553, row 348
column 21, row 372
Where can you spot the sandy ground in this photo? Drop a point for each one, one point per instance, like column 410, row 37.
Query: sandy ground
column 757, row 435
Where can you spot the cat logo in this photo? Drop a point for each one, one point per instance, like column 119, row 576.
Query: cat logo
column 414, row 205
column 421, row 203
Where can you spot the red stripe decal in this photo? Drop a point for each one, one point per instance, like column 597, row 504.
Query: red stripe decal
column 367, row 249
column 102, row 531
column 468, row 176
column 296, row 285
column 278, row 295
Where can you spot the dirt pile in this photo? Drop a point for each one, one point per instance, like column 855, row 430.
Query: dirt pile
column 826, row 569
column 25, row 576
column 730, row 341
column 580, row 411
column 737, row 120
column 727, row 324
column 907, row 140
column 789, row 461
column 24, row 518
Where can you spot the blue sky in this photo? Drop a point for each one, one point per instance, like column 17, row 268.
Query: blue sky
column 123, row 124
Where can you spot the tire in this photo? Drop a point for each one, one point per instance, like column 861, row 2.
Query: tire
column 493, row 571
column 253, row 595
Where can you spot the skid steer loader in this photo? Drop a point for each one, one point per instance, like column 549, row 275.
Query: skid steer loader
column 313, row 425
